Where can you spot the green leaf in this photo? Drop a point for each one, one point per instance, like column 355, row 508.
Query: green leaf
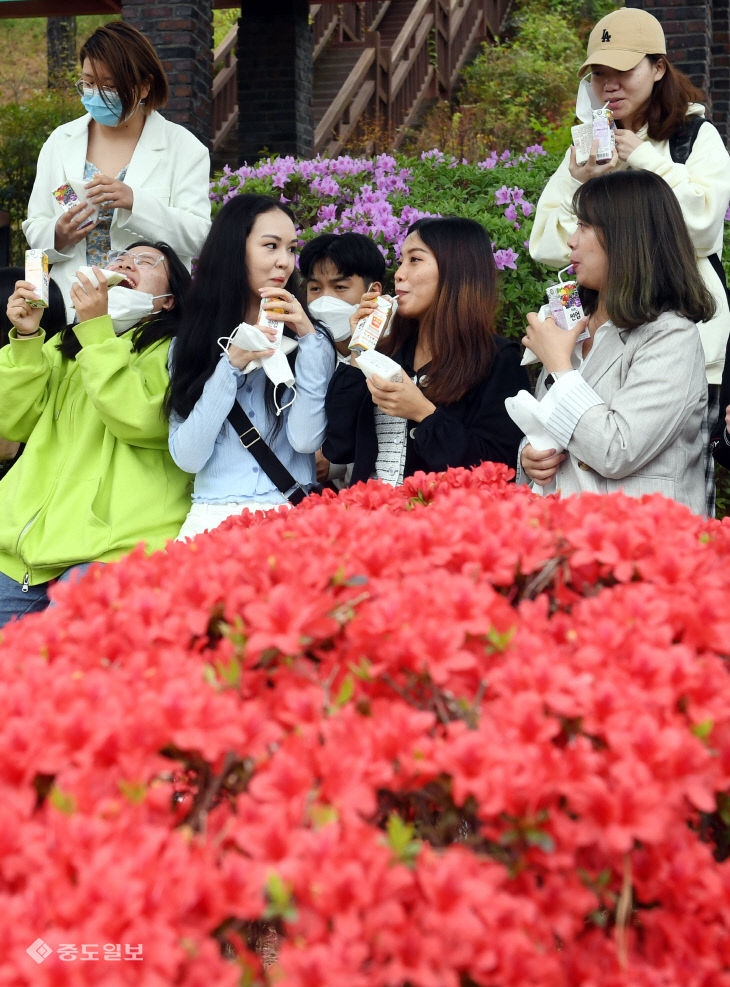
column 400, row 840
column 62, row 801
column 346, row 691
column 230, row 672
column 498, row 641
column 209, row 676
column 133, row 791
column 723, row 807
column 416, row 501
column 541, row 839
column 322, row 815
column 703, row 730
column 362, row 670
column 279, row 897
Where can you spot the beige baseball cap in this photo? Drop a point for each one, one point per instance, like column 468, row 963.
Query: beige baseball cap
column 622, row 38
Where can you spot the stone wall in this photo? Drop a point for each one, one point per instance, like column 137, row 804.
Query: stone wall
column 182, row 34
column 274, row 79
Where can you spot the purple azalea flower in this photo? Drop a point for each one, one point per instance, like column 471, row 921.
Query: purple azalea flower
column 506, row 258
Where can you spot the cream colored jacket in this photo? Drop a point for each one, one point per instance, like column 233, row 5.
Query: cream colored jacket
column 702, row 186
column 168, row 173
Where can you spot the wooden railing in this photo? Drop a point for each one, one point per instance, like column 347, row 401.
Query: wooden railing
column 411, row 68
column 457, row 28
column 325, row 22
column 225, row 88
column 388, row 84
column 342, row 116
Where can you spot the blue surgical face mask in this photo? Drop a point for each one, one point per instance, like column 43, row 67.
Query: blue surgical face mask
column 106, row 112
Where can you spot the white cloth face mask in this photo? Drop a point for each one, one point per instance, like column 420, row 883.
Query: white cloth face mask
column 276, row 367
column 127, row 307
column 335, row 313
column 586, row 101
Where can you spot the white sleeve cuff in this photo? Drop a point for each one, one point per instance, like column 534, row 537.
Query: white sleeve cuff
column 565, row 403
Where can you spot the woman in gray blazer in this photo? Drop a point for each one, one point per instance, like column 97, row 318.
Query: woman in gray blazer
column 625, row 406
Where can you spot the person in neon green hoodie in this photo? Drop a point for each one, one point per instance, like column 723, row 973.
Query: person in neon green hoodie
column 96, row 477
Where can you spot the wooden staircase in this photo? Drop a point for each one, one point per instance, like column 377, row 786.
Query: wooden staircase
column 379, row 60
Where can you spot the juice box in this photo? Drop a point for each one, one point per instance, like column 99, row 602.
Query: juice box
column 603, row 132
column 264, row 320
column 582, row 135
column 36, row 271
column 370, row 328
column 72, row 194
column 565, row 303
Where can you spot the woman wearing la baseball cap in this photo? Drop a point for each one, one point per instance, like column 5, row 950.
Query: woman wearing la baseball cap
column 657, row 111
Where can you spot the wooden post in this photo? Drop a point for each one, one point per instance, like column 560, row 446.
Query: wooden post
column 61, row 52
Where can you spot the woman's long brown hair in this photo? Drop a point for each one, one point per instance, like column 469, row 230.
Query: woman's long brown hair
column 651, row 260
column 667, row 108
column 459, row 328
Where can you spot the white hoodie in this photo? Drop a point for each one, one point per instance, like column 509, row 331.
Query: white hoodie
column 702, row 187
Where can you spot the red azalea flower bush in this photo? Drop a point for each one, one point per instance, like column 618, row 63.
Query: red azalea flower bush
column 443, row 735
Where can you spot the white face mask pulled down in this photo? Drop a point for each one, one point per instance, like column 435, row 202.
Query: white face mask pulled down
column 586, row 101
column 276, row 367
column 128, row 307
column 335, row 313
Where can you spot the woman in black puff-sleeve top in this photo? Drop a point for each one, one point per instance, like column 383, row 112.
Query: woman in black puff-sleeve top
column 448, row 410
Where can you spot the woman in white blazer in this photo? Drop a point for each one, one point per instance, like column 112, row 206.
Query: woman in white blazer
column 625, row 406
column 144, row 176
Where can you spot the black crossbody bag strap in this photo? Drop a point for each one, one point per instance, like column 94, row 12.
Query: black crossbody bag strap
column 250, row 438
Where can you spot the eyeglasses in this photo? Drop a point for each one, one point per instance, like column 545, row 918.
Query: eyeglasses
column 85, row 89
column 142, row 259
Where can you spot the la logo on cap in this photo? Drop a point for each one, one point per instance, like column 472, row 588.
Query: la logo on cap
column 605, row 36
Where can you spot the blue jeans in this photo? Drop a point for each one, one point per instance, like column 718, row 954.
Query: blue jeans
column 15, row 603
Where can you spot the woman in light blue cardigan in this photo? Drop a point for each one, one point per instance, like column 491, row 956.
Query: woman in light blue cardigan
column 247, row 260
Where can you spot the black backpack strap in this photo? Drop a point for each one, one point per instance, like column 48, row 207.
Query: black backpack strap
column 682, row 140
column 719, row 270
column 680, row 148
column 250, row 438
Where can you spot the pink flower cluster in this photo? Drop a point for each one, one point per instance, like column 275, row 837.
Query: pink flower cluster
column 440, row 735
column 375, row 196
column 511, row 198
column 371, row 204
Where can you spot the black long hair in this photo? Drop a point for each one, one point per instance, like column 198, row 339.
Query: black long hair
column 163, row 324
column 217, row 302
column 53, row 319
